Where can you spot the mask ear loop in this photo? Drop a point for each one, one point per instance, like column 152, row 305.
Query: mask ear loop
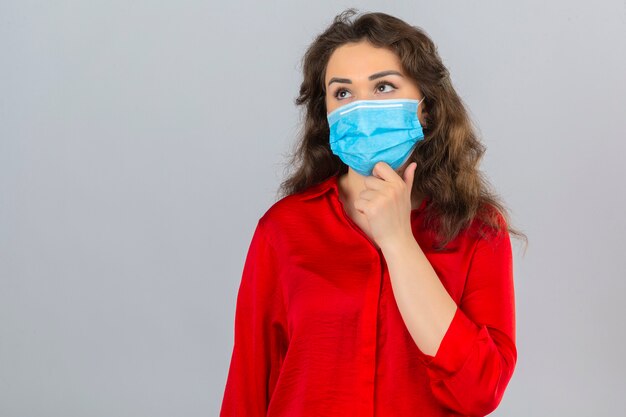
column 418, row 105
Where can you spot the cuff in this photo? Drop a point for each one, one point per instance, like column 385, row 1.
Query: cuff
column 455, row 347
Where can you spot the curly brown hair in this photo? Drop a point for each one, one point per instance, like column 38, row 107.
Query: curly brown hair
column 448, row 156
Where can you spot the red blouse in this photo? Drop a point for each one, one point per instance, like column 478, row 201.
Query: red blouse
column 317, row 331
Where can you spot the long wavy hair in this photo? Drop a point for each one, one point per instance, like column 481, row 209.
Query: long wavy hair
column 448, row 156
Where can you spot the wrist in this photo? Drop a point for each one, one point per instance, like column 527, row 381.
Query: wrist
column 398, row 244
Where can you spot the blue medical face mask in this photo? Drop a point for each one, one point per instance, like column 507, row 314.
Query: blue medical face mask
column 365, row 132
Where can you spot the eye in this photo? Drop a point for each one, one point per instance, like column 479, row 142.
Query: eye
column 378, row 85
column 339, row 91
column 383, row 83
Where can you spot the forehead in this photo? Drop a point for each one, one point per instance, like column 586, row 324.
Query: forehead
column 359, row 60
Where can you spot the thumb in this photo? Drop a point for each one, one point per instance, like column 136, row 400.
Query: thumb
column 409, row 174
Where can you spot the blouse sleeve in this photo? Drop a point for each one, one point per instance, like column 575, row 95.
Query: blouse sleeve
column 259, row 332
column 477, row 355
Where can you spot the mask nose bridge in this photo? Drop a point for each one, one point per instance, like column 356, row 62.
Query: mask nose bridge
column 365, row 104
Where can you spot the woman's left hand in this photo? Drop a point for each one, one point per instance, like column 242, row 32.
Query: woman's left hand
column 386, row 202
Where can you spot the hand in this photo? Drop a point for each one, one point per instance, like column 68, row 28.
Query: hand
column 386, row 202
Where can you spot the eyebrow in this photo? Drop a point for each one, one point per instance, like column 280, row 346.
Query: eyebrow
column 371, row 77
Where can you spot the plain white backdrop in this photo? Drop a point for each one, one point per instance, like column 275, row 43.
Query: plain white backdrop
column 141, row 141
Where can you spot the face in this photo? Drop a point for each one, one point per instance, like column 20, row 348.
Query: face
column 361, row 71
column 350, row 68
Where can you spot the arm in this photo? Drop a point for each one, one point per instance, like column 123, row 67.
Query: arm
column 259, row 333
column 475, row 355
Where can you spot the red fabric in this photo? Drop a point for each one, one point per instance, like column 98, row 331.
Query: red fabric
column 318, row 333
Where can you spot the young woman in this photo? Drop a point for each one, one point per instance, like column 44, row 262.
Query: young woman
column 381, row 283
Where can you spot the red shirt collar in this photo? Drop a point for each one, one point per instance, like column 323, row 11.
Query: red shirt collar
column 318, row 189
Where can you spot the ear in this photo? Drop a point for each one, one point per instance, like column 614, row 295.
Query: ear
column 423, row 118
column 422, row 115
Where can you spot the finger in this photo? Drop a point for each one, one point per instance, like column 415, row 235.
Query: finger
column 409, row 174
column 359, row 206
column 384, row 171
column 368, row 195
column 374, row 183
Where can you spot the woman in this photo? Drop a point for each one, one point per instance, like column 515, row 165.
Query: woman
column 381, row 283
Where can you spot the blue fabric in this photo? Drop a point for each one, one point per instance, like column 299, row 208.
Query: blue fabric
column 365, row 132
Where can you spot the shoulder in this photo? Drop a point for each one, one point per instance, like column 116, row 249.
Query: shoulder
column 282, row 209
column 487, row 224
column 289, row 216
column 299, row 207
column 490, row 230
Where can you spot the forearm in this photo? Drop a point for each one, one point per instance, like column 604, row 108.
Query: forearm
column 470, row 353
column 426, row 307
